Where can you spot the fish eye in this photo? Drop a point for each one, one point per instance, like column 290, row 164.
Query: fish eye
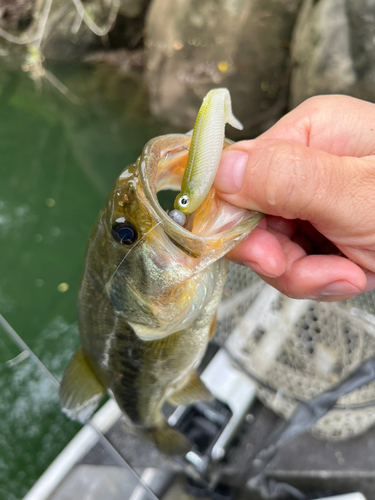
column 126, row 234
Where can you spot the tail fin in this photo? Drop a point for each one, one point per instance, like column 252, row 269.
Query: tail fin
column 228, row 114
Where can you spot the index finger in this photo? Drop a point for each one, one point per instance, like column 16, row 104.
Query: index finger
column 337, row 124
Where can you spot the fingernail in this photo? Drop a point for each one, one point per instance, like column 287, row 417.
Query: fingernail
column 231, row 171
column 340, row 288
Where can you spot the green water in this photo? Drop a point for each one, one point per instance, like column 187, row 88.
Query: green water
column 58, row 162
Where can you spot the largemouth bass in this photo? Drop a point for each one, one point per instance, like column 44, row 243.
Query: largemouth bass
column 148, row 296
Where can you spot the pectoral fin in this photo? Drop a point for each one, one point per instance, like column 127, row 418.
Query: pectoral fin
column 213, row 327
column 192, row 391
column 80, row 390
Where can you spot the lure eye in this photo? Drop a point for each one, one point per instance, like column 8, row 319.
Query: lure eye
column 124, row 233
column 184, row 201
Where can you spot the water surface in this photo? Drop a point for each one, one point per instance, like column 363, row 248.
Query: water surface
column 58, row 161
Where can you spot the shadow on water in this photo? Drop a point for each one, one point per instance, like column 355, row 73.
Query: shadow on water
column 58, row 162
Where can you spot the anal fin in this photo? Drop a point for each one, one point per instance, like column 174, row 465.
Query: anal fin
column 80, row 390
column 168, row 440
column 192, row 391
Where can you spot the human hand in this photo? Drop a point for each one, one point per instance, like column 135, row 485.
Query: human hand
column 313, row 172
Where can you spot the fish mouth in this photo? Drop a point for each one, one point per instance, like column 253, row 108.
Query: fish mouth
column 215, row 227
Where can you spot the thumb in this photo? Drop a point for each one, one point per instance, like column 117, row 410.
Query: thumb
column 287, row 179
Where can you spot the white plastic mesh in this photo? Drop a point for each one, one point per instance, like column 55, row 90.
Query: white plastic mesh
column 299, row 349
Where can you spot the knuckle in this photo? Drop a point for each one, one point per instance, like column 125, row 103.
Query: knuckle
column 315, row 101
column 360, row 184
column 322, row 102
column 286, row 289
column 283, row 167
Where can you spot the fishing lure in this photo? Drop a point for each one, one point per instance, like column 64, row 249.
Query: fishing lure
column 205, row 149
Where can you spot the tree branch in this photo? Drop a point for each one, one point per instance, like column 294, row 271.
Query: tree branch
column 115, row 6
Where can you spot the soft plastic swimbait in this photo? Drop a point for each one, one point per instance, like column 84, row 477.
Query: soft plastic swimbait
column 205, row 149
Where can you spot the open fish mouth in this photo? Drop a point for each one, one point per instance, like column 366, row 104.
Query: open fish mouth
column 215, row 227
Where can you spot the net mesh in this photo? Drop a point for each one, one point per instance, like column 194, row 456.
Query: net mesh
column 298, row 349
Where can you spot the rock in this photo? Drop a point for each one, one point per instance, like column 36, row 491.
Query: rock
column 16, row 14
column 361, row 23
column 333, row 50
column 321, row 53
column 132, row 8
column 66, row 36
column 195, row 45
column 16, row 18
column 123, row 60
